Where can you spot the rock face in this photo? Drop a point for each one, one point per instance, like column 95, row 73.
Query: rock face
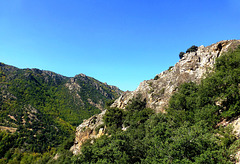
column 192, row 67
column 89, row 129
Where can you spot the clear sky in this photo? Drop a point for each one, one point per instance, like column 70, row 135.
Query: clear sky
column 121, row 42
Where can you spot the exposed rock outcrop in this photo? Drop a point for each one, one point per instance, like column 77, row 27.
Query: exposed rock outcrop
column 192, row 67
column 8, row 129
column 89, row 129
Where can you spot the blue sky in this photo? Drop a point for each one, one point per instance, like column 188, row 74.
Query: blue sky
column 121, row 42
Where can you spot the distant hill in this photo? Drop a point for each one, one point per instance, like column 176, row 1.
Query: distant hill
column 70, row 98
column 43, row 107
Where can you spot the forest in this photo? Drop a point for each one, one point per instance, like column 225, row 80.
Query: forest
column 43, row 112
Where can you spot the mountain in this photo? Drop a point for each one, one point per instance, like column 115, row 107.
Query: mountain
column 191, row 67
column 40, row 108
column 71, row 98
column 186, row 114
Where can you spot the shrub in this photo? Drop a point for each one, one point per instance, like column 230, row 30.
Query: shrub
column 114, row 118
column 192, row 49
column 99, row 127
column 136, row 104
column 169, row 69
column 156, row 77
column 181, row 55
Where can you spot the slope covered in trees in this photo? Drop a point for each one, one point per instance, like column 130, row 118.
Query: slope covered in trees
column 42, row 109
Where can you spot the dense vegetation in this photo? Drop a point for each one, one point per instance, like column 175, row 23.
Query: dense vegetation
column 41, row 109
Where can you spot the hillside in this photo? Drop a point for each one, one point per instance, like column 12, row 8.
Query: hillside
column 190, row 120
column 40, row 109
column 72, row 99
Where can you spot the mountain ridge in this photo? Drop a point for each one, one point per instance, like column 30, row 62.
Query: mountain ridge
column 191, row 67
column 39, row 109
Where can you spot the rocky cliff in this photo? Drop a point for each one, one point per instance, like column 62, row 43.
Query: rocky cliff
column 90, row 129
column 192, row 67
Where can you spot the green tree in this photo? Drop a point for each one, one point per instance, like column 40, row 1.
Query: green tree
column 181, row 54
column 114, row 118
column 192, row 49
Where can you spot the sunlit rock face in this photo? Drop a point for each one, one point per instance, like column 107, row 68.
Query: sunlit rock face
column 89, row 129
column 191, row 67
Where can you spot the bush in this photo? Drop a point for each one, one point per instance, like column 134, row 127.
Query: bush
column 192, row 49
column 169, row 69
column 181, row 54
column 108, row 103
column 156, row 77
column 136, row 104
column 114, row 118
